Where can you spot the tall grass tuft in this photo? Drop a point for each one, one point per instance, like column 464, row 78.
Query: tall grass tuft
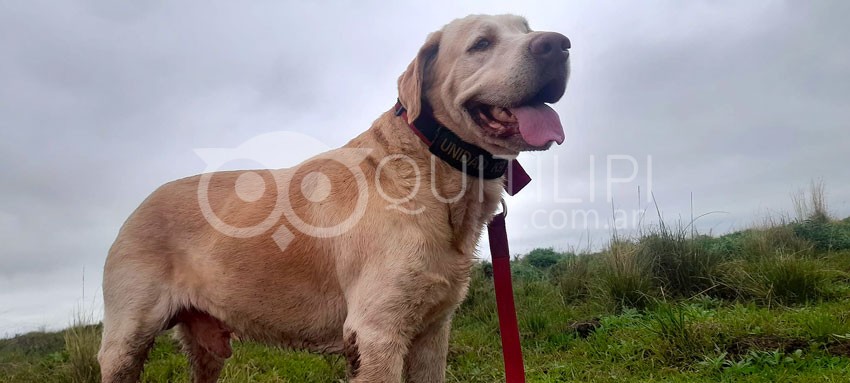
column 572, row 276
column 681, row 342
column 82, row 341
column 811, row 206
column 684, row 264
column 626, row 279
column 773, row 241
column 792, row 280
column 824, row 235
column 781, row 280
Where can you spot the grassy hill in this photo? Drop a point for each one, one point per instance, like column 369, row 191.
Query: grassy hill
column 767, row 304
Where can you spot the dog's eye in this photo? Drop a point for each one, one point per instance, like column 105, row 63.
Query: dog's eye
column 480, row 45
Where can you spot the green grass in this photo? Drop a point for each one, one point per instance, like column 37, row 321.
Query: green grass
column 82, row 341
column 768, row 304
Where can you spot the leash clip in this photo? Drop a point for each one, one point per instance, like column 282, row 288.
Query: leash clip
column 504, row 212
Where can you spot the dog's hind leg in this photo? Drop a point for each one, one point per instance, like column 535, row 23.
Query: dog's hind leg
column 123, row 352
column 136, row 308
column 129, row 330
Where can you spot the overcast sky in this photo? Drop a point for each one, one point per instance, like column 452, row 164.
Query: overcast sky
column 739, row 103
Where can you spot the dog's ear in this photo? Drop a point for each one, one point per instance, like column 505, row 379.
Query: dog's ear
column 410, row 83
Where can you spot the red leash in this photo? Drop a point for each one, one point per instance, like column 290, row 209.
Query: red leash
column 517, row 178
column 511, row 348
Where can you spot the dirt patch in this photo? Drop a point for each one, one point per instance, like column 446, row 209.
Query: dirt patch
column 840, row 348
column 742, row 346
column 583, row 329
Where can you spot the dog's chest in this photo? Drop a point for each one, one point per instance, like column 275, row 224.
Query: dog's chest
column 471, row 212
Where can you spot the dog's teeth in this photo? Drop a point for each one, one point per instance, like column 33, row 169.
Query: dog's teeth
column 496, row 125
column 503, row 114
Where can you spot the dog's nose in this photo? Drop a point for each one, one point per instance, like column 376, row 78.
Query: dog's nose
column 550, row 46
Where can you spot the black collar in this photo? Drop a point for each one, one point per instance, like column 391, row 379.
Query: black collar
column 450, row 148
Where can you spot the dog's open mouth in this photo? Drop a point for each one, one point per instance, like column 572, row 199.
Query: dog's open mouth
column 538, row 123
column 499, row 120
column 535, row 121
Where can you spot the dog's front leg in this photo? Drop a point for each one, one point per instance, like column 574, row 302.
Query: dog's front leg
column 426, row 359
column 374, row 354
column 385, row 316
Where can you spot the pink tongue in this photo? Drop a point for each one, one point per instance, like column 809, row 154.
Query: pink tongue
column 539, row 124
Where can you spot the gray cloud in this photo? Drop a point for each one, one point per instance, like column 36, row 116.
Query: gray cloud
column 739, row 103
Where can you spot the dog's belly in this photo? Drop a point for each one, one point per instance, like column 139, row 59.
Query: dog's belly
column 298, row 318
column 285, row 298
column 292, row 329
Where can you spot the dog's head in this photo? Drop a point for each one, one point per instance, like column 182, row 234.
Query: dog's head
column 489, row 78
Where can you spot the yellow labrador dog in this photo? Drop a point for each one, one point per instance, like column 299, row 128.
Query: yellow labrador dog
column 380, row 289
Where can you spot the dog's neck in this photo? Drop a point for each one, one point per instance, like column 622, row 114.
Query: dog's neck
column 445, row 144
column 467, row 202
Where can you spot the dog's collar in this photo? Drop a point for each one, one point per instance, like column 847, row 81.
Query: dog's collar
column 450, row 148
